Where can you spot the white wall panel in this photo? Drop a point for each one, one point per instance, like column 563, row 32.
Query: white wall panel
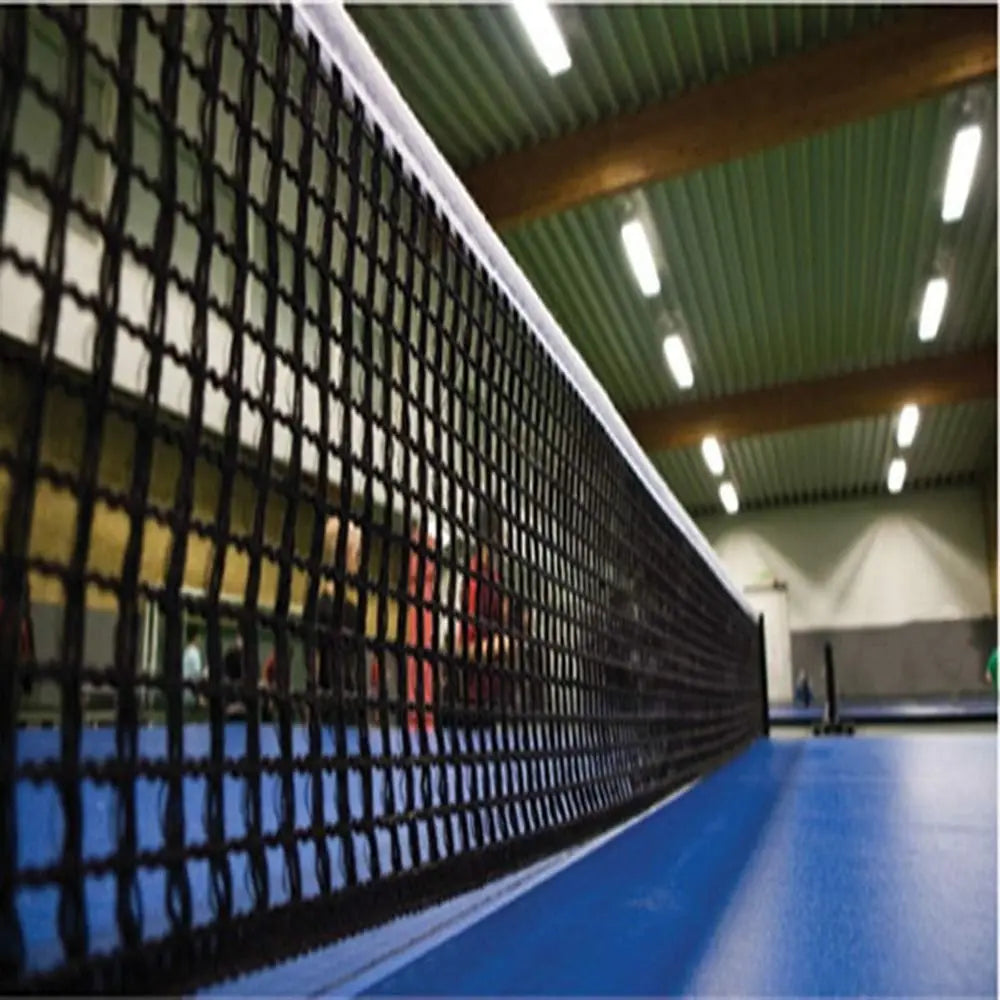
column 884, row 561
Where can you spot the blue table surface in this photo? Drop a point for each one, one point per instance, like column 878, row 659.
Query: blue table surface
column 41, row 830
column 846, row 867
column 826, row 866
column 912, row 709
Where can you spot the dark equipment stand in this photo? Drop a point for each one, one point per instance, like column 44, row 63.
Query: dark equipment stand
column 765, row 708
column 831, row 724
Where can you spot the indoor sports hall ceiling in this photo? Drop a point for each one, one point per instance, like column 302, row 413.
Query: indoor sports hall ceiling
column 791, row 248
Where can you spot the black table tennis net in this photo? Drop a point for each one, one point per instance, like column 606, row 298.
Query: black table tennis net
column 257, row 392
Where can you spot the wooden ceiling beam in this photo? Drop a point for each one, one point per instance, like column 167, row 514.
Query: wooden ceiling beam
column 923, row 52
column 955, row 378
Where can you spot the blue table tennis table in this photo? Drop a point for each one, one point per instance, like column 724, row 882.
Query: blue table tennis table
column 894, row 711
column 864, row 866
column 805, row 867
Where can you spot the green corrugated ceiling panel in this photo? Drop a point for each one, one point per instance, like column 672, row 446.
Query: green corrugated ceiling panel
column 801, row 261
column 474, row 81
column 953, row 443
column 805, row 260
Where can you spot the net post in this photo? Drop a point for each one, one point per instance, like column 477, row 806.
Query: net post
column 831, row 711
column 831, row 724
column 765, row 715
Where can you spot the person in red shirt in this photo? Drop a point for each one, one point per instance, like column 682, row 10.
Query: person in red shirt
column 483, row 642
column 417, row 681
column 25, row 638
column 420, row 630
column 268, row 687
column 269, row 673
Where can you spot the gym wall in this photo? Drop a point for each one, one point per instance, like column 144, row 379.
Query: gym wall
column 900, row 586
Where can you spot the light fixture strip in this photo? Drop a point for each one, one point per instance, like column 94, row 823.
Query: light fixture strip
column 727, row 495
column 906, row 426
column 678, row 361
column 544, row 34
column 961, row 170
column 897, row 475
column 640, row 257
column 932, row 308
column 712, row 454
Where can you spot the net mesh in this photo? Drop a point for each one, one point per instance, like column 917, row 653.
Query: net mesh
column 325, row 595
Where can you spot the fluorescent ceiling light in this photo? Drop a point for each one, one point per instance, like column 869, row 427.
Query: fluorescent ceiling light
column 730, row 501
column 897, row 474
column 712, row 454
column 906, row 429
column 544, row 35
column 641, row 258
column 961, row 168
column 935, row 297
column 677, row 359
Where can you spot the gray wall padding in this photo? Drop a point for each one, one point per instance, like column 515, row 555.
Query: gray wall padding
column 47, row 624
column 903, row 661
column 98, row 633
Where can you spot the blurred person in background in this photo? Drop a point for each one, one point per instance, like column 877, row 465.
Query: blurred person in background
column 341, row 661
column 192, row 665
column 483, row 602
column 25, row 641
column 803, row 690
column 232, row 669
column 528, row 662
column 269, row 672
column 269, row 686
column 421, row 625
